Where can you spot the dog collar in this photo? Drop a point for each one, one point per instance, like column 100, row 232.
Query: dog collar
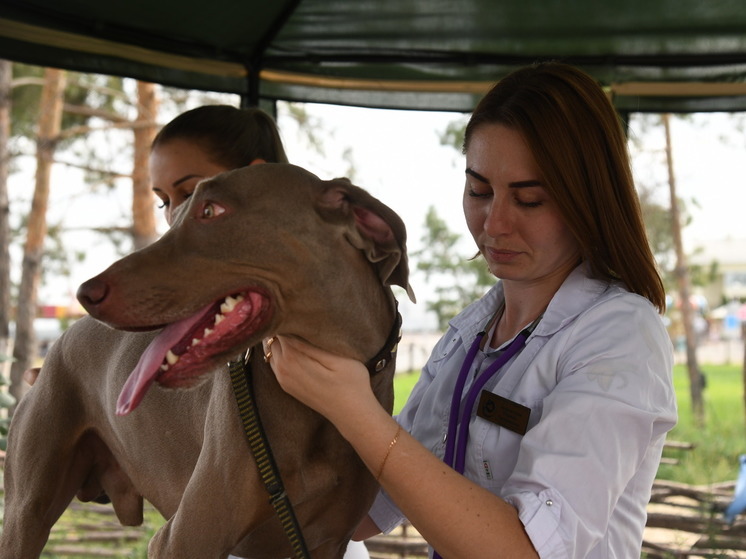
column 388, row 352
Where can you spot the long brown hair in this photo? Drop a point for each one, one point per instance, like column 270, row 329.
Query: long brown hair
column 577, row 140
column 233, row 137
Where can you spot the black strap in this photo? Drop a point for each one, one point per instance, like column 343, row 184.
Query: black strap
column 241, row 378
column 388, row 352
column 241, row 373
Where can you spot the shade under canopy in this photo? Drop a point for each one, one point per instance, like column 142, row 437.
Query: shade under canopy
column 665, row 55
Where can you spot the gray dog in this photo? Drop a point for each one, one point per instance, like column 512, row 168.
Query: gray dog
column 269, row 249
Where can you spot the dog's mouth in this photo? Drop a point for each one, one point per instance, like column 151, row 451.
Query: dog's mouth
column 177, row 357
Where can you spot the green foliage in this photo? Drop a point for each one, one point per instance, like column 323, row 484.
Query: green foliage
column 308, row 125
column 656, row 213
column 459, row 280
column 658, row 228
column 93, row 91
column 25, row 99
column 657, row 218
column 453, row 135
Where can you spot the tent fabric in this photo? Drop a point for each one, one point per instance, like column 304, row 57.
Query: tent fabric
column 665, row 55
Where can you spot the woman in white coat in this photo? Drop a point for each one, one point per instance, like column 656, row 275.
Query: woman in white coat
column 537, row 425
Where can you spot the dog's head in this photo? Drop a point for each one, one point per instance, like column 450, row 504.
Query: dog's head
column 267, row 249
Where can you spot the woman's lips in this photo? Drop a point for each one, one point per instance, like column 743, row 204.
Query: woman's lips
column 502, row 256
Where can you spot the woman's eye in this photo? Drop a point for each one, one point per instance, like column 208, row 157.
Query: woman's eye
column 527, row 204
column 475, row 193
column 163, row 204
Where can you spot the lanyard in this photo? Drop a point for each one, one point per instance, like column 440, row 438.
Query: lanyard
column 458, row 429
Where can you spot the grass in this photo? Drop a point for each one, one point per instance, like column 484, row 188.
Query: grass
column 88, row 530
column 722, row 437
column 403, row 385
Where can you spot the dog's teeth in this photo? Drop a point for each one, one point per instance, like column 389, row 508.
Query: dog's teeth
column 195, row 342
column 164, row 367
column 171, row 357
column 228, row 305
column 219, row 318
column 208, row 332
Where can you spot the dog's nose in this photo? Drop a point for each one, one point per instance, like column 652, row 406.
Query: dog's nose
column 92, row 293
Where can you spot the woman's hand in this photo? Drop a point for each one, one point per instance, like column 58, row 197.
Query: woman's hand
column 454, row 514
column 331, row 384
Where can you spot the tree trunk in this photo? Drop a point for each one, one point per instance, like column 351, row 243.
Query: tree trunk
column 143, row 214
column 682, row 278
column 50, row 119
column 6, row 75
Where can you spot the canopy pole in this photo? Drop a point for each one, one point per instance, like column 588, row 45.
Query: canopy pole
column 254, row 67
column 250, row 98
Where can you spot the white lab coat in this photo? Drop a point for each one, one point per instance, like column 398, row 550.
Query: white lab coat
column 596, row 374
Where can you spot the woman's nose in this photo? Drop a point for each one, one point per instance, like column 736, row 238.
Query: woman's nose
column 498, row 221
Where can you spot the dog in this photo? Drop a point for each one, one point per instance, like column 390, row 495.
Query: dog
column 135, row 401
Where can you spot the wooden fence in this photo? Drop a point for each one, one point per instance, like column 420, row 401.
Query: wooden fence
column 686, row 521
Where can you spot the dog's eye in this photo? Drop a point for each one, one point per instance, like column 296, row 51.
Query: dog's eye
column 210, row 210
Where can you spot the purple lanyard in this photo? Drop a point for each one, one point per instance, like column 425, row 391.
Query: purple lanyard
column 459, row 446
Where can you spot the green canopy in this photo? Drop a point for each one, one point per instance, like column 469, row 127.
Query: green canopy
column 654, row 55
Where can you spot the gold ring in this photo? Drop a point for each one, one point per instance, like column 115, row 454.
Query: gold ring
column 268, row 355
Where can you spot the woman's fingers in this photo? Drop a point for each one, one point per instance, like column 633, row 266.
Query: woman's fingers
column 316, row 377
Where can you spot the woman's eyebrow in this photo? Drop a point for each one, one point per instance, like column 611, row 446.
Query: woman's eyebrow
column 186, row 178
column 516, row 184
column 525, row 184
column 473, row 173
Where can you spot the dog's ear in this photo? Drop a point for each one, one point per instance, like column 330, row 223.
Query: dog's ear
column 373, row 227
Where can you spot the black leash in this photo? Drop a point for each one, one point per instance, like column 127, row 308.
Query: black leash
column 242, row 380
column 241, row 377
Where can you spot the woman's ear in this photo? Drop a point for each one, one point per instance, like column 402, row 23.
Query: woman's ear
column 257, row 161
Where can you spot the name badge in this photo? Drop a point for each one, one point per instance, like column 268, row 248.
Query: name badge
column 503, row 412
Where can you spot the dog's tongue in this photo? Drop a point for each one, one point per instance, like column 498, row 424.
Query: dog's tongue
column 148, row 367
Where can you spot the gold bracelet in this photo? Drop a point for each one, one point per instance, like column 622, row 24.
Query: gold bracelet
column 391, row 445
